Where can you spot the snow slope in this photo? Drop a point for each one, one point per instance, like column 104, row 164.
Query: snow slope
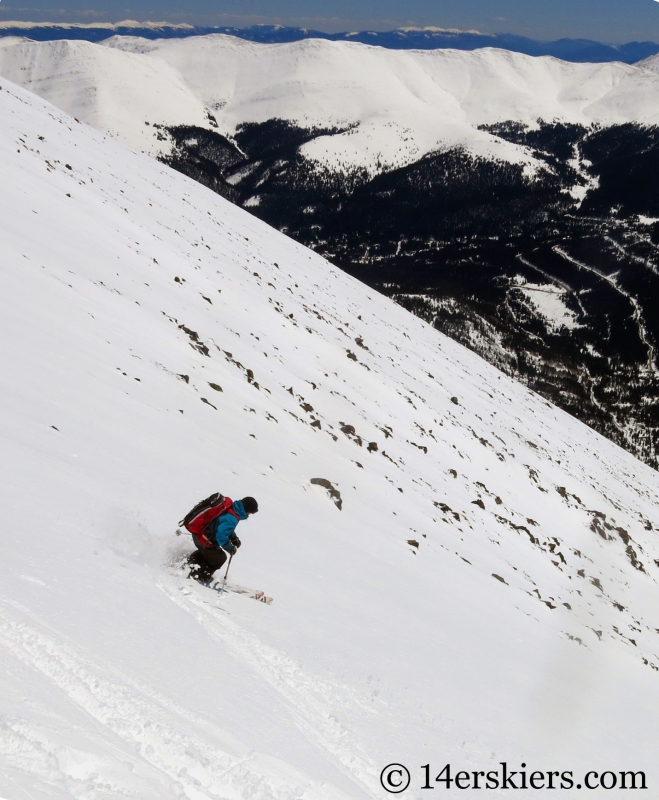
column 160, row 343
column 396, row 105
column 651, row 64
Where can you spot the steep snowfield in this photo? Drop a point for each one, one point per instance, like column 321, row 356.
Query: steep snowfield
column 114, row 92
column 395, row 106
column 160, row 343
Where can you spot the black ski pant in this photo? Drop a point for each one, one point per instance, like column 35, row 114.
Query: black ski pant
column 208, row 559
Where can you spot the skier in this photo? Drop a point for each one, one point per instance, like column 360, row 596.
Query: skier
column 221, row 535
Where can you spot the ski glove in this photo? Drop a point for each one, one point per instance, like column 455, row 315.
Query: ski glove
column 235, row 541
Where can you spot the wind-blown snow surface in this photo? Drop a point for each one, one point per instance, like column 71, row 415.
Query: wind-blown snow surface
column 393, row 106
column 160, row 343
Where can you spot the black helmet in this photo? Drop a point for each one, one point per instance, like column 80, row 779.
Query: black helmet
column 250, row 505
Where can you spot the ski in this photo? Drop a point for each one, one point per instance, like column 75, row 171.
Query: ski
column 220, row 587
column 255, row 594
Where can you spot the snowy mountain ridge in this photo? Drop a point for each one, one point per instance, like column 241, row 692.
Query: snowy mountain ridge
column 111, row 92
column 108, row 26
column 382, row 108
column 406, row 38
column 486, row 592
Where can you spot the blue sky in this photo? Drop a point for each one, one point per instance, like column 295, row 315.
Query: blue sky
column 605, row 20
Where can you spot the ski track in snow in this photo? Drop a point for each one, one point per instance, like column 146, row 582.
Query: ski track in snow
column 312, row 700
column 138, row 717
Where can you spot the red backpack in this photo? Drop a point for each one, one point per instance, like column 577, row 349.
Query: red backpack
column 198, row 520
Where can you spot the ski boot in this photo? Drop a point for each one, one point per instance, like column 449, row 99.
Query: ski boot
column 201, row 576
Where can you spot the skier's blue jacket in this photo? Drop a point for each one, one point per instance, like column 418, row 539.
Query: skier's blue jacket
column 225, row 525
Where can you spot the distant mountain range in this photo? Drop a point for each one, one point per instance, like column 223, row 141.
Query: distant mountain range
column 577, row 50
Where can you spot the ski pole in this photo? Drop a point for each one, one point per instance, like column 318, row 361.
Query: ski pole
column 224, row 582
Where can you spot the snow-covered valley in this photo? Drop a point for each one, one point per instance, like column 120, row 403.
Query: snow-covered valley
column 486, row 592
